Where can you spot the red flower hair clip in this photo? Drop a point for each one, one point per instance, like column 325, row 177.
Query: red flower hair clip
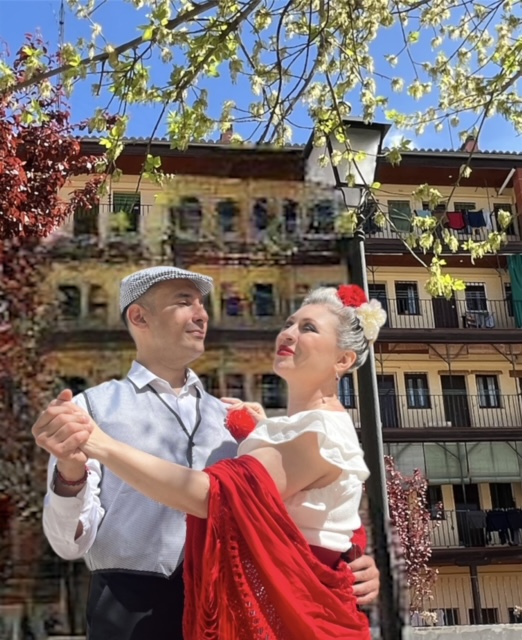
column 240, row 423
column 351, row 295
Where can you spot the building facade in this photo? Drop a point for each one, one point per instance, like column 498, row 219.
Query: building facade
column 449, row 371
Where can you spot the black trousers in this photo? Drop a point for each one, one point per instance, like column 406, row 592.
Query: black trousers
column 131, row 606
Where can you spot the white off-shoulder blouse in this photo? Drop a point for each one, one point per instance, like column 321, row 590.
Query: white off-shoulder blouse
column 327, row 516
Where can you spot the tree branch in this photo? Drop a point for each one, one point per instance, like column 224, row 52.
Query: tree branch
column 122, row 48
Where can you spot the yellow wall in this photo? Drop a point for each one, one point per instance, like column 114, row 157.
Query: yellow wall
column 500, row 588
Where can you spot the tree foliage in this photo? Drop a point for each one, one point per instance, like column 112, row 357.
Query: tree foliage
column 419, row 63
column 412, row 521
column 39, row 154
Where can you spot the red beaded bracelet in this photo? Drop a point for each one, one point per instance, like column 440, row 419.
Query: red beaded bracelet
column 71, row 483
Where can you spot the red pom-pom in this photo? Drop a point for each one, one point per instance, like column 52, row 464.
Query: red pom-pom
column 240, row 423
column 351, row 295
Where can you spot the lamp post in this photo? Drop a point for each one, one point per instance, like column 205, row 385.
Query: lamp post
column 366, row 138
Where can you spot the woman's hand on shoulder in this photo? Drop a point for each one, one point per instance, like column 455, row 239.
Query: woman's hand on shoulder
column 254, row 408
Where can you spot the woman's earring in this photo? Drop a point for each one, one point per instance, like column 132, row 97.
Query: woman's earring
column 337, row 379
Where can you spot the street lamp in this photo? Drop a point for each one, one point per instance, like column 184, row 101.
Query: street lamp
column 365, row 138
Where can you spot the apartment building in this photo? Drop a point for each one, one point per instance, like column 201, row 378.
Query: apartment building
column 449, row 371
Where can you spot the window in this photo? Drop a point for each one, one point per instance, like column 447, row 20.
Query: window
column 228, row 214
column 476, row 297
column 438, row 211
column 434, row 500
column 515, row 615
column 234, row 385
column 489, row 616
column 508, row 298
column 70, row 302
column 347, row 391
column 273, row 392
column 445, row 617
column 489, row 393
column 97, row 302
column 232, row 301
column 450, row 617
column 378, row 291
column 301, row 291
column 264, row 300
column 399, row 212
column 417, row 391
column 464, row 206
column 322, row 217
column 510, row 229
column 260, row 214
column 128, row 206
column 502, row 495
column 210, row 383
column 290, row 209
column 188, row 214
column 407, row 298
column 86, row 222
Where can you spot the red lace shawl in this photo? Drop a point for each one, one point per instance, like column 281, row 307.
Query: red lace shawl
column 249, row 572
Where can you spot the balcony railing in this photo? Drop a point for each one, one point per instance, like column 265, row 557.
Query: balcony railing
column 480, row 528
column 305, row 225
column 422, row 410
column 403, row 313
column 439, row 313
column 388, row 232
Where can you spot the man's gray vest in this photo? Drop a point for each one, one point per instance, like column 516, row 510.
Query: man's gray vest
column 136, row 533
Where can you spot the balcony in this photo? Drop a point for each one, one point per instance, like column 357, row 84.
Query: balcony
column 448, row 417
column 411, row 319
column 461, row 529
column 102, row 233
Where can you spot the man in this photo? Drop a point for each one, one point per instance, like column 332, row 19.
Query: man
column 134, row 546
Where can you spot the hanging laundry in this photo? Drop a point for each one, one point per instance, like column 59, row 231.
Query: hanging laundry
column 515, row 273
column 476, row 219
column 456, row 220
column 401, row 220
column 423, row 213
column 370, row 226
column 497, row 522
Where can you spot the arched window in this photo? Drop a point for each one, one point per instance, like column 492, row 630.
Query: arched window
column 190, row 214
column 98, row 303
column 228, row 213
column 70, row 301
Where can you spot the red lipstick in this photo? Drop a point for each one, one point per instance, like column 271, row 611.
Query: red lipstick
column 285, row 351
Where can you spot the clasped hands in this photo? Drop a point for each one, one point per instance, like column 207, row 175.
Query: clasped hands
column 67, row 432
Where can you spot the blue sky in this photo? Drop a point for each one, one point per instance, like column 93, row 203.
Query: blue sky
column 119, row 19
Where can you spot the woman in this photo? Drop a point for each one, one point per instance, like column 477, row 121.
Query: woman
column 266, row 530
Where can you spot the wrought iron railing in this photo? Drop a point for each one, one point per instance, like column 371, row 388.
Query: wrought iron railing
column 421, row 410
column 410, row 312
column 453, row 529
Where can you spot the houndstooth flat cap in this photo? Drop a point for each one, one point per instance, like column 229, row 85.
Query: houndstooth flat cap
column 135, row 285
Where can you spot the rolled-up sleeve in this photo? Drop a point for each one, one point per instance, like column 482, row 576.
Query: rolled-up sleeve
column 61, row 515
